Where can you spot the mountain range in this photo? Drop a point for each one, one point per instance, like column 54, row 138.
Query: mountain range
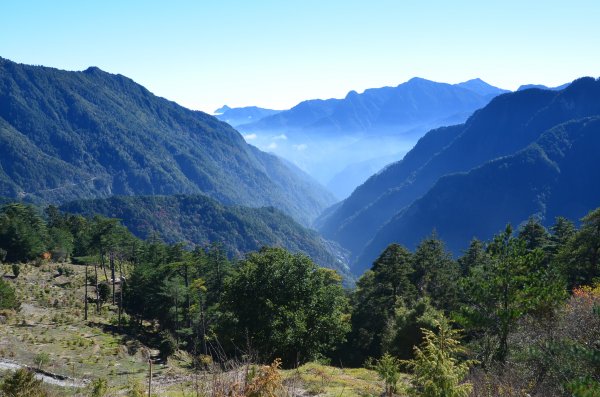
column 532, row 152
column 80, row 135
column 244, row 115
column 323, row 137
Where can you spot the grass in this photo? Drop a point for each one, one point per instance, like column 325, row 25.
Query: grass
column 50, row 325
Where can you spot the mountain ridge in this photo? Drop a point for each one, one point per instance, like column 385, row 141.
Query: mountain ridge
column 91, row 134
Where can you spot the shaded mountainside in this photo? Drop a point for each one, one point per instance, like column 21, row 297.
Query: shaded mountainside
column 200, row 220
column 507, row 125
column 80, row 135
column 555, row 176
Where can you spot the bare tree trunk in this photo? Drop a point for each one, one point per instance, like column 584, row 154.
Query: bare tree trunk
column 121, row 284
column 97, row 290
column 150, row 379
column 85, row 316
column 103, row 262
column 112, row 273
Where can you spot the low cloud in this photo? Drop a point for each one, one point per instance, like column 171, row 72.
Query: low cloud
column 281, row 137
column 272, row 146
column 250, row 137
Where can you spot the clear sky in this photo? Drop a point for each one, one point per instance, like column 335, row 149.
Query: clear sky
column 203, row 54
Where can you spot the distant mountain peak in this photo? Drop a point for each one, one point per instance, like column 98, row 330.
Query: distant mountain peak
column 93, row 69
column 481, row 87
column 222, row 109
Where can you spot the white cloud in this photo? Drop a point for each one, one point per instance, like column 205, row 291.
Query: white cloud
column 250, row 137
column 272, row 146
column 281, row 137
column 300, row 147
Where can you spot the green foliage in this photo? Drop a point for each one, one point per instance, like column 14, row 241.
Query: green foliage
column 580, row 257
column 377, row 293
column 103, row 292
column 135, row 389
column 437, row 372
column 22, row 383
column 168, row 345
column 99, row 387
column 436, row 274
column 41, row 360
column 23, row 232
column 388, row 369
column 405, row 329
column 8, row 298
column 16, row 269
column 285, row 306
column 118, row 138
column 201, row 220
column 509, row 282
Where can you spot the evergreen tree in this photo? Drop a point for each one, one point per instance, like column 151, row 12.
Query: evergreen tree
column 437, row 372
column 23, row 233
column 436, row 274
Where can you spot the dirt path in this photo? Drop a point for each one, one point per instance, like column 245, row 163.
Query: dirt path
column 46, row 377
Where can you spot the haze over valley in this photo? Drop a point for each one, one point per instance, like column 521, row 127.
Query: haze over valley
column 299, row 198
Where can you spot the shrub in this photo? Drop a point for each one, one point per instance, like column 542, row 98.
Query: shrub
column 22, row 383
column 42, row 359
column 99, row 387
column 388, row 369
column 8, row 298
column 16, row 269
column 437, row 372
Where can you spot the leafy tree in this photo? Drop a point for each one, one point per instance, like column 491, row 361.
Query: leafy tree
column 404, row 330
column 285, row 306
column 562, row 231
column 437, row 370
column 378, row 293
column 23, row 232
column 514, row 281
column 473, row 256
column 436, row 274
column 8, row 298
column 580, row 257
column 534, row 234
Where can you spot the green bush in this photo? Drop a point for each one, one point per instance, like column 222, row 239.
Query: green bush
column 22, row 383
column 8, row 298
column 99, row 387
column 16, row 269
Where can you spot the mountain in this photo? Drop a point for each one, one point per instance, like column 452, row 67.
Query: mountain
column 390, row 109
column 556, row 175
column 482, row 88
column 81, row 135
column 542, row 87
column 244, row 115
column 200, row 220
column 507, row 125
column 323, row 137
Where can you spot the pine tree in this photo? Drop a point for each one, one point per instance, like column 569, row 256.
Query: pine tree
column 437, row 371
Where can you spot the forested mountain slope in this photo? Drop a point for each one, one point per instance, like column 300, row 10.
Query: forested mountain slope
column 80, row 135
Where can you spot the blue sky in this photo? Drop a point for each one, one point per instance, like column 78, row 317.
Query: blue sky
column 203, row 54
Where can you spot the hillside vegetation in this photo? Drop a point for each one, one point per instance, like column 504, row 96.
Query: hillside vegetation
column 91, row 134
